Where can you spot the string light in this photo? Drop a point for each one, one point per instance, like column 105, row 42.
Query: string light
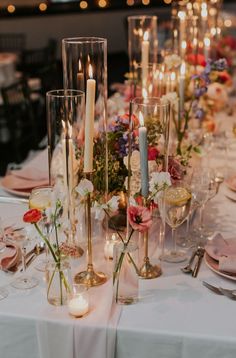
column 145, row 2
column 83, row 5
column 228, row 23
column 130, row 2
column 43, row 6
column 11, row 8
column 102, row 3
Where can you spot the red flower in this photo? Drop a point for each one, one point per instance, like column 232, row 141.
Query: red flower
column 175, row 169
column 32, row 216
column 140, row 218
column 152, row 153
column 198, row 59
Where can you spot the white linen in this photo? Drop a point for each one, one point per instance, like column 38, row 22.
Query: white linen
column 176, row 317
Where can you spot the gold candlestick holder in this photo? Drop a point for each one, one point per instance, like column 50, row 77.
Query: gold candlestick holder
column 89, row 277
column 148, row 270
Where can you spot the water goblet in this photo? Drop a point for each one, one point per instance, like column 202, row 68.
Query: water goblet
column 41, row 198
column 23, row 240
column 175, row 208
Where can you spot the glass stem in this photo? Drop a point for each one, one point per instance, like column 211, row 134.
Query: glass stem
column 201, row 216
column 174, row 240
column 24, row 260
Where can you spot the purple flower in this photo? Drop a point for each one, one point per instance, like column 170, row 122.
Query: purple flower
column 219, row 65
column 199, row 114
column 200, row 91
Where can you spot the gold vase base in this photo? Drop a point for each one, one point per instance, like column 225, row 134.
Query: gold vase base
column 90, row 278
column 149, row 271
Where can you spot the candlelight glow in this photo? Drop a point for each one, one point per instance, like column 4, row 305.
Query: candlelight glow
column 183, row 69
column 141, row 119
column 207, row 42
column 145, row 36
column 80, row 66
column 183, row 45
column 182, row 15
column 144, row 93
column 172, row 76
column 90, row 70
column 69, row 130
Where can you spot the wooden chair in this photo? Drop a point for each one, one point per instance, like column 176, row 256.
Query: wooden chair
column 20, row 119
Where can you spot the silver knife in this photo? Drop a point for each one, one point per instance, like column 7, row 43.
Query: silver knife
column 200, row 254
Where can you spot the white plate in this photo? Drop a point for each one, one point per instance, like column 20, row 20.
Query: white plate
column 214, row 266
column 23, row 194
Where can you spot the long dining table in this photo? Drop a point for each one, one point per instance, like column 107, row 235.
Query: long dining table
column 175, row 317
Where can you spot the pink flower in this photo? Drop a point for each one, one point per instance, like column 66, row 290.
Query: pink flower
column 152, row 153
column 175, row 169
column 140, row 218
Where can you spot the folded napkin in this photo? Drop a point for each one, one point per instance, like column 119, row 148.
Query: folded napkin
column 223, row 251
column 218, row 247
column 17, row 183
column 9, row 256
column 231, row 182
column 227, row 264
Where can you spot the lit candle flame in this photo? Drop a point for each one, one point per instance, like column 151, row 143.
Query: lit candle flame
column 145, row 36
column 207, row 42
column 80, row 66
column 69, row 130
column 90, row 70
column 172, row 76
column 144, row 92
column 183, row 45
column 141, row 119
column 182, row 15
column 183, row 69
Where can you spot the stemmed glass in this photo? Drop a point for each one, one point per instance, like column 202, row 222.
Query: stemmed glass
column 204, row 186
column 3, row 291
column 41, row 198
column 175, row 207
column 24, row 281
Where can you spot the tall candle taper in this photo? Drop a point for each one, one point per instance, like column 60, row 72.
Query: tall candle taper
column 145, row 59
column 89, row 122
column 143, row 149
column 182, row 86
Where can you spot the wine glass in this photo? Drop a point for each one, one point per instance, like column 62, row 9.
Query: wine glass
column 41, row 198
column 24, row 281
column 176, row 206
column 204, row 186
column 3, row 291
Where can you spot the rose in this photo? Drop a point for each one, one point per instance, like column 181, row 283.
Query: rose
column 32, row 216
column 134, row 161
column 140, row 218
column 152, row 153
column 175, row 169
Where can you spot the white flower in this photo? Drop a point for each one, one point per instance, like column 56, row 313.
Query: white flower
column 99, row 212
column 132, row 202
column 172, row 61
column 84, row 187
column 113, row 203
column 134, row 161
column 159, row 181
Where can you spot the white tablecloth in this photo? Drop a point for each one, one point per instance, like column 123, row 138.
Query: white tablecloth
column 176, row 317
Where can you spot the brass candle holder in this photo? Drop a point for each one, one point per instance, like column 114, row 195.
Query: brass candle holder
column 89, row 277
column 148, row 270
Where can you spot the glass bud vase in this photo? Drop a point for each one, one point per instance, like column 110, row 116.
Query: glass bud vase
column 58, row 280
column 125, row 277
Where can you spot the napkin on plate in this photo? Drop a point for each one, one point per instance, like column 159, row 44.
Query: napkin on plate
column 10, row 256
column 223, row 251
column 231, row 182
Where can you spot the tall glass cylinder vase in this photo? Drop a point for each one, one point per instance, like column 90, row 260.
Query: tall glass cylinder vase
column 85, row 67
column 142, row 45
column 147, row 157
column 65, row 118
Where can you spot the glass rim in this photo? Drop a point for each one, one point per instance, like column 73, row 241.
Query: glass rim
column 157, row 101
column 138, row 17
column 65, row 93
column 84, row 39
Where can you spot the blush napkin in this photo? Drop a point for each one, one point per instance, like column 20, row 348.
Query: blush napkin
column 223, row 251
